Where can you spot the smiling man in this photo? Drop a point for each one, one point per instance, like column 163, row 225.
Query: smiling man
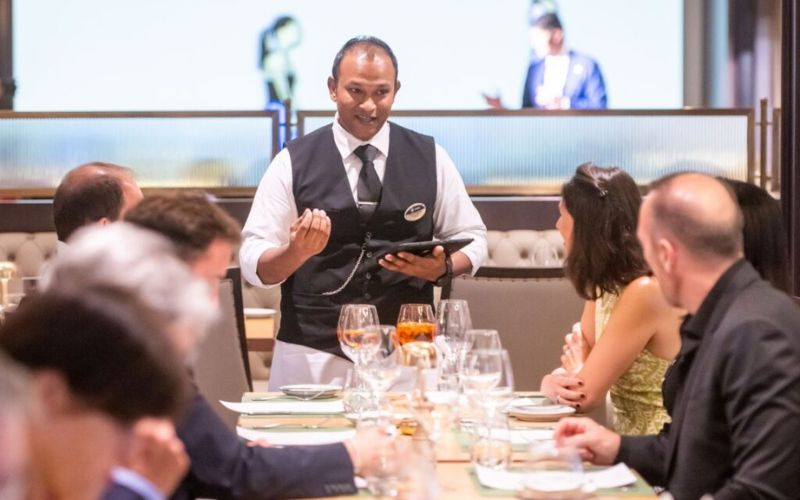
column 333, row 197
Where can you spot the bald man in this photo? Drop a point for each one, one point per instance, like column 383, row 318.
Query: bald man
column 734, row 390
column 93, row 193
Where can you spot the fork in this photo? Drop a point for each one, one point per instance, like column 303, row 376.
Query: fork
column 316, row 425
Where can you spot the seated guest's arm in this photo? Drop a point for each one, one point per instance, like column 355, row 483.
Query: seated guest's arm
column 602, row 446
column 223, row 466
column 761, row 384
column 639, row 314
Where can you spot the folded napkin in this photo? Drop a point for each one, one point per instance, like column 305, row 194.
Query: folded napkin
column 286, row 438
column 512, row 480
column 286, row 407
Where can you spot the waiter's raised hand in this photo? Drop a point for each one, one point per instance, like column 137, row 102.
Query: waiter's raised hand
column 428, row 268
column 308, row 235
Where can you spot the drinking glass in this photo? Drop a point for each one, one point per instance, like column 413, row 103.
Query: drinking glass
column 491, row 444
column 499, row 396
column 382, row 366
column 483, row 340
column 554, row 472
column 356, row 394
column 573, row 358
column 355, row 337
column 482, row 371
column 416, row 330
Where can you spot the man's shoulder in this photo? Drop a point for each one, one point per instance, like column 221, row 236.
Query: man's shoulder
column 398, row 130
column 581, row 58
column 760, row 308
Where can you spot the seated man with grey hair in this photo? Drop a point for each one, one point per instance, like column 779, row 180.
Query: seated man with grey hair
column 13, row 435
column 100, row 344
column 121, row 258
column 223, row 466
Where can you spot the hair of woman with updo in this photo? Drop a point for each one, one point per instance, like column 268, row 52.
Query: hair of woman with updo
column 605, row 254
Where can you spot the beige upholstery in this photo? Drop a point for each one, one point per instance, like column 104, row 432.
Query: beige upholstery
column 525, row 248
column 28, row 251
column 531, row 314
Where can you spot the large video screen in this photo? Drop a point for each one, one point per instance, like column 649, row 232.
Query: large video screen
column 129, row 55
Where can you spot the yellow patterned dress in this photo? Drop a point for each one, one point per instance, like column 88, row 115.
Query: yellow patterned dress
column 636, row 395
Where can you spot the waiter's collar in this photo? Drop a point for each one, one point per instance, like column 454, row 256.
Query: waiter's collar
column 346, row 142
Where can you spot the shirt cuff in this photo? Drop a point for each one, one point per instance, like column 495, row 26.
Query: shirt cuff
column 249, row 254
column 136, row 483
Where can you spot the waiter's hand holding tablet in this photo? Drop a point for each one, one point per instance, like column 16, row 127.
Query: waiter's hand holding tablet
column 424, row 259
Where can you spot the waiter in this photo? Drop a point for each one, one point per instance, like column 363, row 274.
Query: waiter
column 332, row 198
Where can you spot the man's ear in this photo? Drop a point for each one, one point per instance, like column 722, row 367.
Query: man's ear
column 104, row 221
column 332, row 88
column 396, row 86
column 51, row 391
column 666, row 253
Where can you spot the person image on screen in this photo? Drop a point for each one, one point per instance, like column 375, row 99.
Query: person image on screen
column 332, row 196
column 559, row 78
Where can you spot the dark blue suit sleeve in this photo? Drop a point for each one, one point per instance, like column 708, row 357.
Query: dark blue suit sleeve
column 527, row 98
column 593, row 95
column 223, row 466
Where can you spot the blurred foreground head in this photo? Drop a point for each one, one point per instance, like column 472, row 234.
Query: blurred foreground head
column 121, row 258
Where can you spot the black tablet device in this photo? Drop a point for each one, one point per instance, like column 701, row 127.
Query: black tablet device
column 421, row 247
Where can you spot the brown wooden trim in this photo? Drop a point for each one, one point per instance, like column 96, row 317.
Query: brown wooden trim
column 260, row 345
column 790, row 134
column 5, row 114
column 520, row 272
column 7, row 85
column 301, row 114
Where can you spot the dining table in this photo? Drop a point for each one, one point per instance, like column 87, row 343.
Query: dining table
column 272, row 416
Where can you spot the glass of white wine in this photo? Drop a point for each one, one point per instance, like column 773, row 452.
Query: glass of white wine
column 356, row 331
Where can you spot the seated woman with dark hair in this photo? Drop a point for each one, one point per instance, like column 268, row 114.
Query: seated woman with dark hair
column 95, row 369
column 628, row 332
column 765, row 245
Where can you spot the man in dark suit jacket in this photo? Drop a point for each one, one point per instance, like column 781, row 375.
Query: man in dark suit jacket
column 222, row 464
column 734, row 391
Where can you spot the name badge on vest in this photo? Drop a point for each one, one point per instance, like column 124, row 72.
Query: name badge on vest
column 415, row 212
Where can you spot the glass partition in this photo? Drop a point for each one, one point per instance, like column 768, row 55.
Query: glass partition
column 530, row 152
column 208, row 150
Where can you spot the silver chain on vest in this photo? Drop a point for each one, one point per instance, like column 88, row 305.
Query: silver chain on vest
column 355, row 268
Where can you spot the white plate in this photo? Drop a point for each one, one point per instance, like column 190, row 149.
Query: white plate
column 311, row 391
column 543, row 413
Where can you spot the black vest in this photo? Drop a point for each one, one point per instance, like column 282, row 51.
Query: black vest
column 308, row 316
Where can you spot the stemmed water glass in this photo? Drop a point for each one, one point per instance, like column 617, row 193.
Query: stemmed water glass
column 483, row 340
column 382, row 365
column 356, row 331
column 452, row 322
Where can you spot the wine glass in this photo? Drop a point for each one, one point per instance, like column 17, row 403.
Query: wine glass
column 554, row 472
column 416, row 330
column 482, row 371
column 356, row 337
column 382, row 366
column 452, row 322
column 483, row 340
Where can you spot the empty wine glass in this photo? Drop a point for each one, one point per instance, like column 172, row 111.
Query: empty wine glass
column 554, row 472
column 483, row 340
column 382, row 365
column 499, row 396
column 482, row 371
column 355, row 337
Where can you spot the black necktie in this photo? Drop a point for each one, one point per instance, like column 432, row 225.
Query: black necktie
column 369, row 186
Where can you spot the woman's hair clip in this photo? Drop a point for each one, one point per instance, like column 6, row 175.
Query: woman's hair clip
column 603, row 193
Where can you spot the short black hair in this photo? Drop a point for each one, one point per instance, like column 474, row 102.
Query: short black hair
column 605, row 255
column 106, row 346
column 547, row 22
column 362, row 41
column 82, row 199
